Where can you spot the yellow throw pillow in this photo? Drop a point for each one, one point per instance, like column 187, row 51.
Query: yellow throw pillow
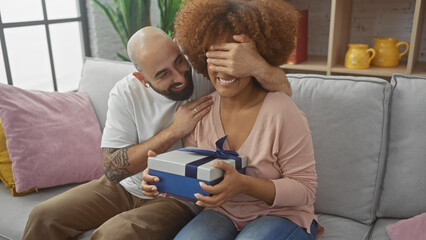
column 6, row 166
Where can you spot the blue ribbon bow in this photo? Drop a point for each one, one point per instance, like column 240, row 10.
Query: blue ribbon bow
column 191, row 168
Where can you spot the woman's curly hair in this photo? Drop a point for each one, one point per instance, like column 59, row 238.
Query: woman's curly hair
column 271, row 24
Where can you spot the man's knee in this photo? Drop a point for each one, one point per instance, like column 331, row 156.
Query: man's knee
column 50, row 213
column 41, row 214
column 39, row 222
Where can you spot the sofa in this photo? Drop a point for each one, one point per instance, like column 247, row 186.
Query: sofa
column 369, row 140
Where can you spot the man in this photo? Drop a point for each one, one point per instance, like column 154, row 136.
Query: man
column 146, row 110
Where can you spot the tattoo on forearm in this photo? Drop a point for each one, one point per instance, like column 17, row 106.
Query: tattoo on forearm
column 115, row 162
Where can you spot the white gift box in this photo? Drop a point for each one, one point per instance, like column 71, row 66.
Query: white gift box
column 181, row 171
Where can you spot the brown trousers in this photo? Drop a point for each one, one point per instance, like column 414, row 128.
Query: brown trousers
column 115, row 213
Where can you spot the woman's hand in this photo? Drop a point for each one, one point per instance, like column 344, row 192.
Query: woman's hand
column 149, row 190
column 231, row 185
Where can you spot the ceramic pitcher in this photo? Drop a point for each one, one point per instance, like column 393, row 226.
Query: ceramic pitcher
column 387, row 52
column 359, row 56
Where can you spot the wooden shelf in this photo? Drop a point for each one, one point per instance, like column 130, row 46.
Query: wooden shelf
column 415, row 67
column 339, row 37
column 314, row 63
column 372, row 71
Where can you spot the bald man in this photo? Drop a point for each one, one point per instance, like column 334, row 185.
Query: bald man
column 150, row 109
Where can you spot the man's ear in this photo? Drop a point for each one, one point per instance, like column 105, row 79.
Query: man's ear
column 139, row 76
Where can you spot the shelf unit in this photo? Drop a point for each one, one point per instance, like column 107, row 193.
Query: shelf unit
column 339, row 38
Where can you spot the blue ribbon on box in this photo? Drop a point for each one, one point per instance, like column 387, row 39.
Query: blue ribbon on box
column 191, row 168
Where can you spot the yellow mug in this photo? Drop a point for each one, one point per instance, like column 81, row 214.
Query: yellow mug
column 387, row 52
column 359, row 56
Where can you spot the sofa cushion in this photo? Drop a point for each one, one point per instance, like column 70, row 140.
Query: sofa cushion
column 52, row 138
column 404, row 188
column 348, row 118
column 337, row 228
column 98, row 78
column 379, row 229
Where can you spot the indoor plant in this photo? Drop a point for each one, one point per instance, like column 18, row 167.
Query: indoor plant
column 128, row 16
column 168, row 10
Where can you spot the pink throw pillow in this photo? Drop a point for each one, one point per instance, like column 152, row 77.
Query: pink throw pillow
column 53, row 138
column 412, row 228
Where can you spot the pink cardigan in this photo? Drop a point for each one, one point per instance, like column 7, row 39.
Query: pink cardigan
column 279, row 148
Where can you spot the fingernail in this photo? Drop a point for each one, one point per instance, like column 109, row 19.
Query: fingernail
column 156, row 179
column 201, row 184
column 154, row 189
column 196, row 195
column 198, row 203
column 156, row 193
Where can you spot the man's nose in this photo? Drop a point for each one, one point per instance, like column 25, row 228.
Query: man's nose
column 179, row 76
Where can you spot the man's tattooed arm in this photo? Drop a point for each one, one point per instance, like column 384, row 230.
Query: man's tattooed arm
column 116, row 163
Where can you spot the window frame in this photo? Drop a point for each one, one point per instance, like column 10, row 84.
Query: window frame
column 46, row 22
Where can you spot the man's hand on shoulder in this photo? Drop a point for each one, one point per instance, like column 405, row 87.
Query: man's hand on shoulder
column 188, row 115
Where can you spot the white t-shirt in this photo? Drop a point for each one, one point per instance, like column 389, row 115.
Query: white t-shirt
column 136, row 113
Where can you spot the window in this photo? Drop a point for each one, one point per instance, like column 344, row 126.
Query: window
column 43, row 43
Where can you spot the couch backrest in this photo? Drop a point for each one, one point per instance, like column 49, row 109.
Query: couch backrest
column 404, row 186
column 98, row 78
column 348, row 117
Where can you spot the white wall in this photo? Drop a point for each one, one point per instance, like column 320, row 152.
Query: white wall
column 370, row 18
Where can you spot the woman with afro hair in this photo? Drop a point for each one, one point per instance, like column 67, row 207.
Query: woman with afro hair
column 275, row 199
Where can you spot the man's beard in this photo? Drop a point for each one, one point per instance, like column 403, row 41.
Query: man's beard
column 183, row 94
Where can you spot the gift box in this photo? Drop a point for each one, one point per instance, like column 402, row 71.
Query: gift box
column 180, row 171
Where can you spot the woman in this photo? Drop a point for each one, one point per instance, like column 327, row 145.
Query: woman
column 275, row 199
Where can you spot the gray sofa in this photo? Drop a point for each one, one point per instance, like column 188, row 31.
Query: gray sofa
column 370, row 147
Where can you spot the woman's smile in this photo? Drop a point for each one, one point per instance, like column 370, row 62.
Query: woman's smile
column 226, row 81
